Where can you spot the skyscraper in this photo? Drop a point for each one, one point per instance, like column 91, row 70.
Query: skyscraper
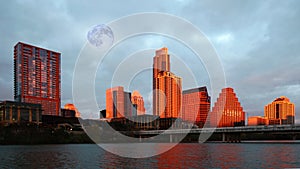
column 228, row 110
column 166, row 87
column 128, row 107
column 169, row 100
column 280, row 111
column 118, row 103
column 137, row 99
column 195, row 105
column 37, row 77
column 115, row 102
column 161, row 63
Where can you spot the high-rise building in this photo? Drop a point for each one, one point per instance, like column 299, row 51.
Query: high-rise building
column 227, row 111
column 115, row 102
column 166, row 87
column 169, row 95
column 137, row 99
column 118, row 103
column 161, row 63
column 37, row 77
column 280, row 111
column 129, row 110
column 195, row 105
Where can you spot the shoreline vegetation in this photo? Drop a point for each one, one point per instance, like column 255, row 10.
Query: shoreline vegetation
column 31, row 134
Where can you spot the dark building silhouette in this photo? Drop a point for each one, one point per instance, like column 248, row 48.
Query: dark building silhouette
column 102, row 113
column 20, row 112
column 148, row 122
column 68, row 113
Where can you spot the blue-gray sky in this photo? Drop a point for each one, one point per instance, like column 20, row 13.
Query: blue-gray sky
column 257, row 41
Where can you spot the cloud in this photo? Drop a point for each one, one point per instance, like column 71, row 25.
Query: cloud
column 257, row 41
column 224, row 38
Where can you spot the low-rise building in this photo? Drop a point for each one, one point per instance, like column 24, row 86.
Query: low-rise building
column 68, row 113
column 280, row 111
column 257, row 120
column 20, row 112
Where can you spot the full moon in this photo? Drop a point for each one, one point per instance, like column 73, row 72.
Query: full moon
column 101, row 36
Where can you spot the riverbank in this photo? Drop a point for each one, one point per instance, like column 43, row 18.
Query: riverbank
column 34, row 134
column 31, row 134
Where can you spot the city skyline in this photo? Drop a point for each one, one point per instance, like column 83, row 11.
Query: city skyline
column 37, row 80
column 193, row 105
column 257, row 61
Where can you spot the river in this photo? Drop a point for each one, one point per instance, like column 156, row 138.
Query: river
column 191, row 155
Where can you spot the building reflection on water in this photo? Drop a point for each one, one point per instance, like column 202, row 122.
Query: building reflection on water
column 212, row 155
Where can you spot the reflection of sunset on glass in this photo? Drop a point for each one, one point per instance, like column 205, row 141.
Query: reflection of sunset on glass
column 137, row 99
column 280, row 111
column 227, row 111
column 167, row 104
column 195, row 105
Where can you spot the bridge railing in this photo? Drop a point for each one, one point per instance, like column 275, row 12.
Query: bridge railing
column 268, row 128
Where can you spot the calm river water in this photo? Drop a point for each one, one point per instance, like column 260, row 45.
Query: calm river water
column 208, row 155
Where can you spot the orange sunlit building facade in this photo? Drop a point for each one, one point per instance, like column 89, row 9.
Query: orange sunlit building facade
column 167, row 89
column 37, row 77
column 280, row 111
column 115, row 102
column 227, row 111
column 138, row 101
column 161, row 63
column 257, row 120
column 195, row 105
column 70, row 106
column 169, row 97
column 118, row 103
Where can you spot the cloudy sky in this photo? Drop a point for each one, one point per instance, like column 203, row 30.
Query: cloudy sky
column 258, row 42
